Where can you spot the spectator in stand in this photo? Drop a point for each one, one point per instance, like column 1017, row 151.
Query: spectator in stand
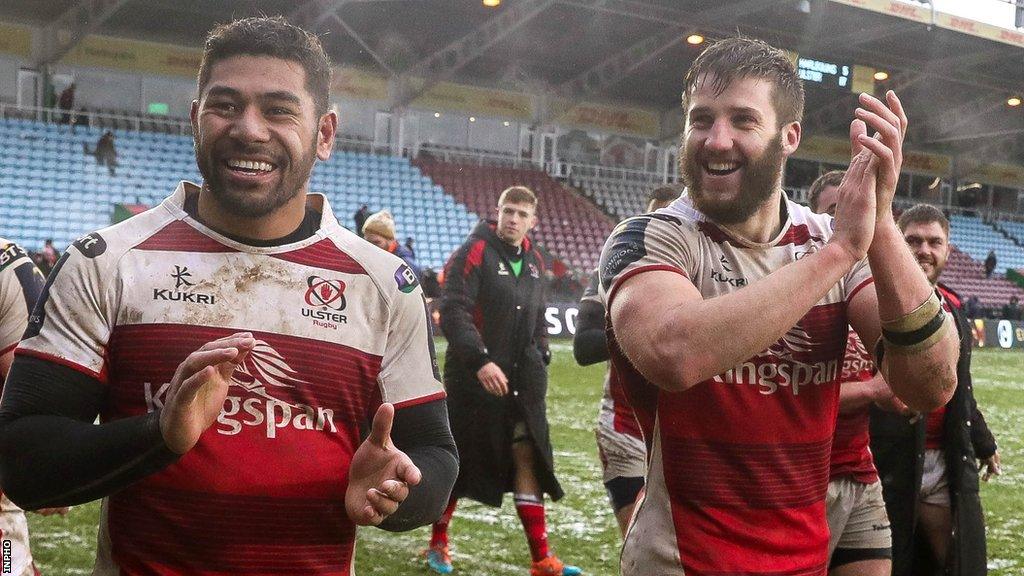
column 360, row 218
column 990, row 263
column 105, row 151
column 49, row 257
column 1012, row 310
column 379, row 230
column 409, row 244
column 66, row 103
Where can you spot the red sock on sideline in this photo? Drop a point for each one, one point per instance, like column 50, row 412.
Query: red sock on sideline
column 531, row 514
column 439, row 535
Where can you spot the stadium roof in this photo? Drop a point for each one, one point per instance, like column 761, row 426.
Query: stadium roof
column 954, row 84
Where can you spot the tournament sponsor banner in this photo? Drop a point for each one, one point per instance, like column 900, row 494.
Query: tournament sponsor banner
column 980, row 29
column 925, row 163
column 948, row 21
column 475, row 100
column 893, row 8
column 999, row 174
column 837, row 150
column 618, row 119
column 998, row 334
column 824, row 149
column 135, row 55
column 358, row 84
column 16, row 39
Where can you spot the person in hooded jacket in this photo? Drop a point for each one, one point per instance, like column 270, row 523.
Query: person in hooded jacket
column 495, row 373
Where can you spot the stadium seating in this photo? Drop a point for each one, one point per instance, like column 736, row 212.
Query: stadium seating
column 976, row 237
column 571, row 228
column 1015, row 230
column 966, row 276
column 53, row 190
column 617, row 197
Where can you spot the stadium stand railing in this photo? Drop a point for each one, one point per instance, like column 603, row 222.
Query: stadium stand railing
column 98, row 118
column 470, row 156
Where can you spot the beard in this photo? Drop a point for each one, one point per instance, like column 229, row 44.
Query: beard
column 251, row 201
column 936, row 269
column 757, row 183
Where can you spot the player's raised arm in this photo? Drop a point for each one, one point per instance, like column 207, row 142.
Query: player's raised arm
column 919, row 339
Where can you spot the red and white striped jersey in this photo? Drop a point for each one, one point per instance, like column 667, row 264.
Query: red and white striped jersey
column 851, row 451
column 340, row 328
column 738, row 463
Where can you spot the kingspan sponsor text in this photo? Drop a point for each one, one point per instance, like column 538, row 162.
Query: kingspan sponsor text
column 769, row 376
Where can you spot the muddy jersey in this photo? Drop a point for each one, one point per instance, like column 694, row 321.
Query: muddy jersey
column 851, row 454
column 739, row 463
column 20, row 284
column 340, row 327
column 615, row 414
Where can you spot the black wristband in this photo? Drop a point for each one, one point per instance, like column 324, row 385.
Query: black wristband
column 915, row 336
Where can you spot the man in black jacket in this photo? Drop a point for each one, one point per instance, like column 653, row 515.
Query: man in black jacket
column 927, row 463
column 492, row 313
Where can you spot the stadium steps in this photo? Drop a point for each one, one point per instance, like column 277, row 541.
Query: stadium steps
column 1012, row 230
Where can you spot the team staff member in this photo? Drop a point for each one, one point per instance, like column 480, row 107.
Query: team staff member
column 928, row 463
column 264, row 377
column 492, row 313
column 860, row 543
column 620, row 443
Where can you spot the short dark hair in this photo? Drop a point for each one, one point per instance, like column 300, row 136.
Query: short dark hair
column 923, row 214
column 737, row 57
column 661, row 196
column 833, row 178
column 270, row 36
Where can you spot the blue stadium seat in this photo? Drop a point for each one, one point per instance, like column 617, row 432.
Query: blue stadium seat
column 53, row 190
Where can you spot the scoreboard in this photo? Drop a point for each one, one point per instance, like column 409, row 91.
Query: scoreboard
column 822, row 72
column 842, row 76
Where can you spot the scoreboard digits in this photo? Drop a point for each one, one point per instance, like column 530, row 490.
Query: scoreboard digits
column 826, row 73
